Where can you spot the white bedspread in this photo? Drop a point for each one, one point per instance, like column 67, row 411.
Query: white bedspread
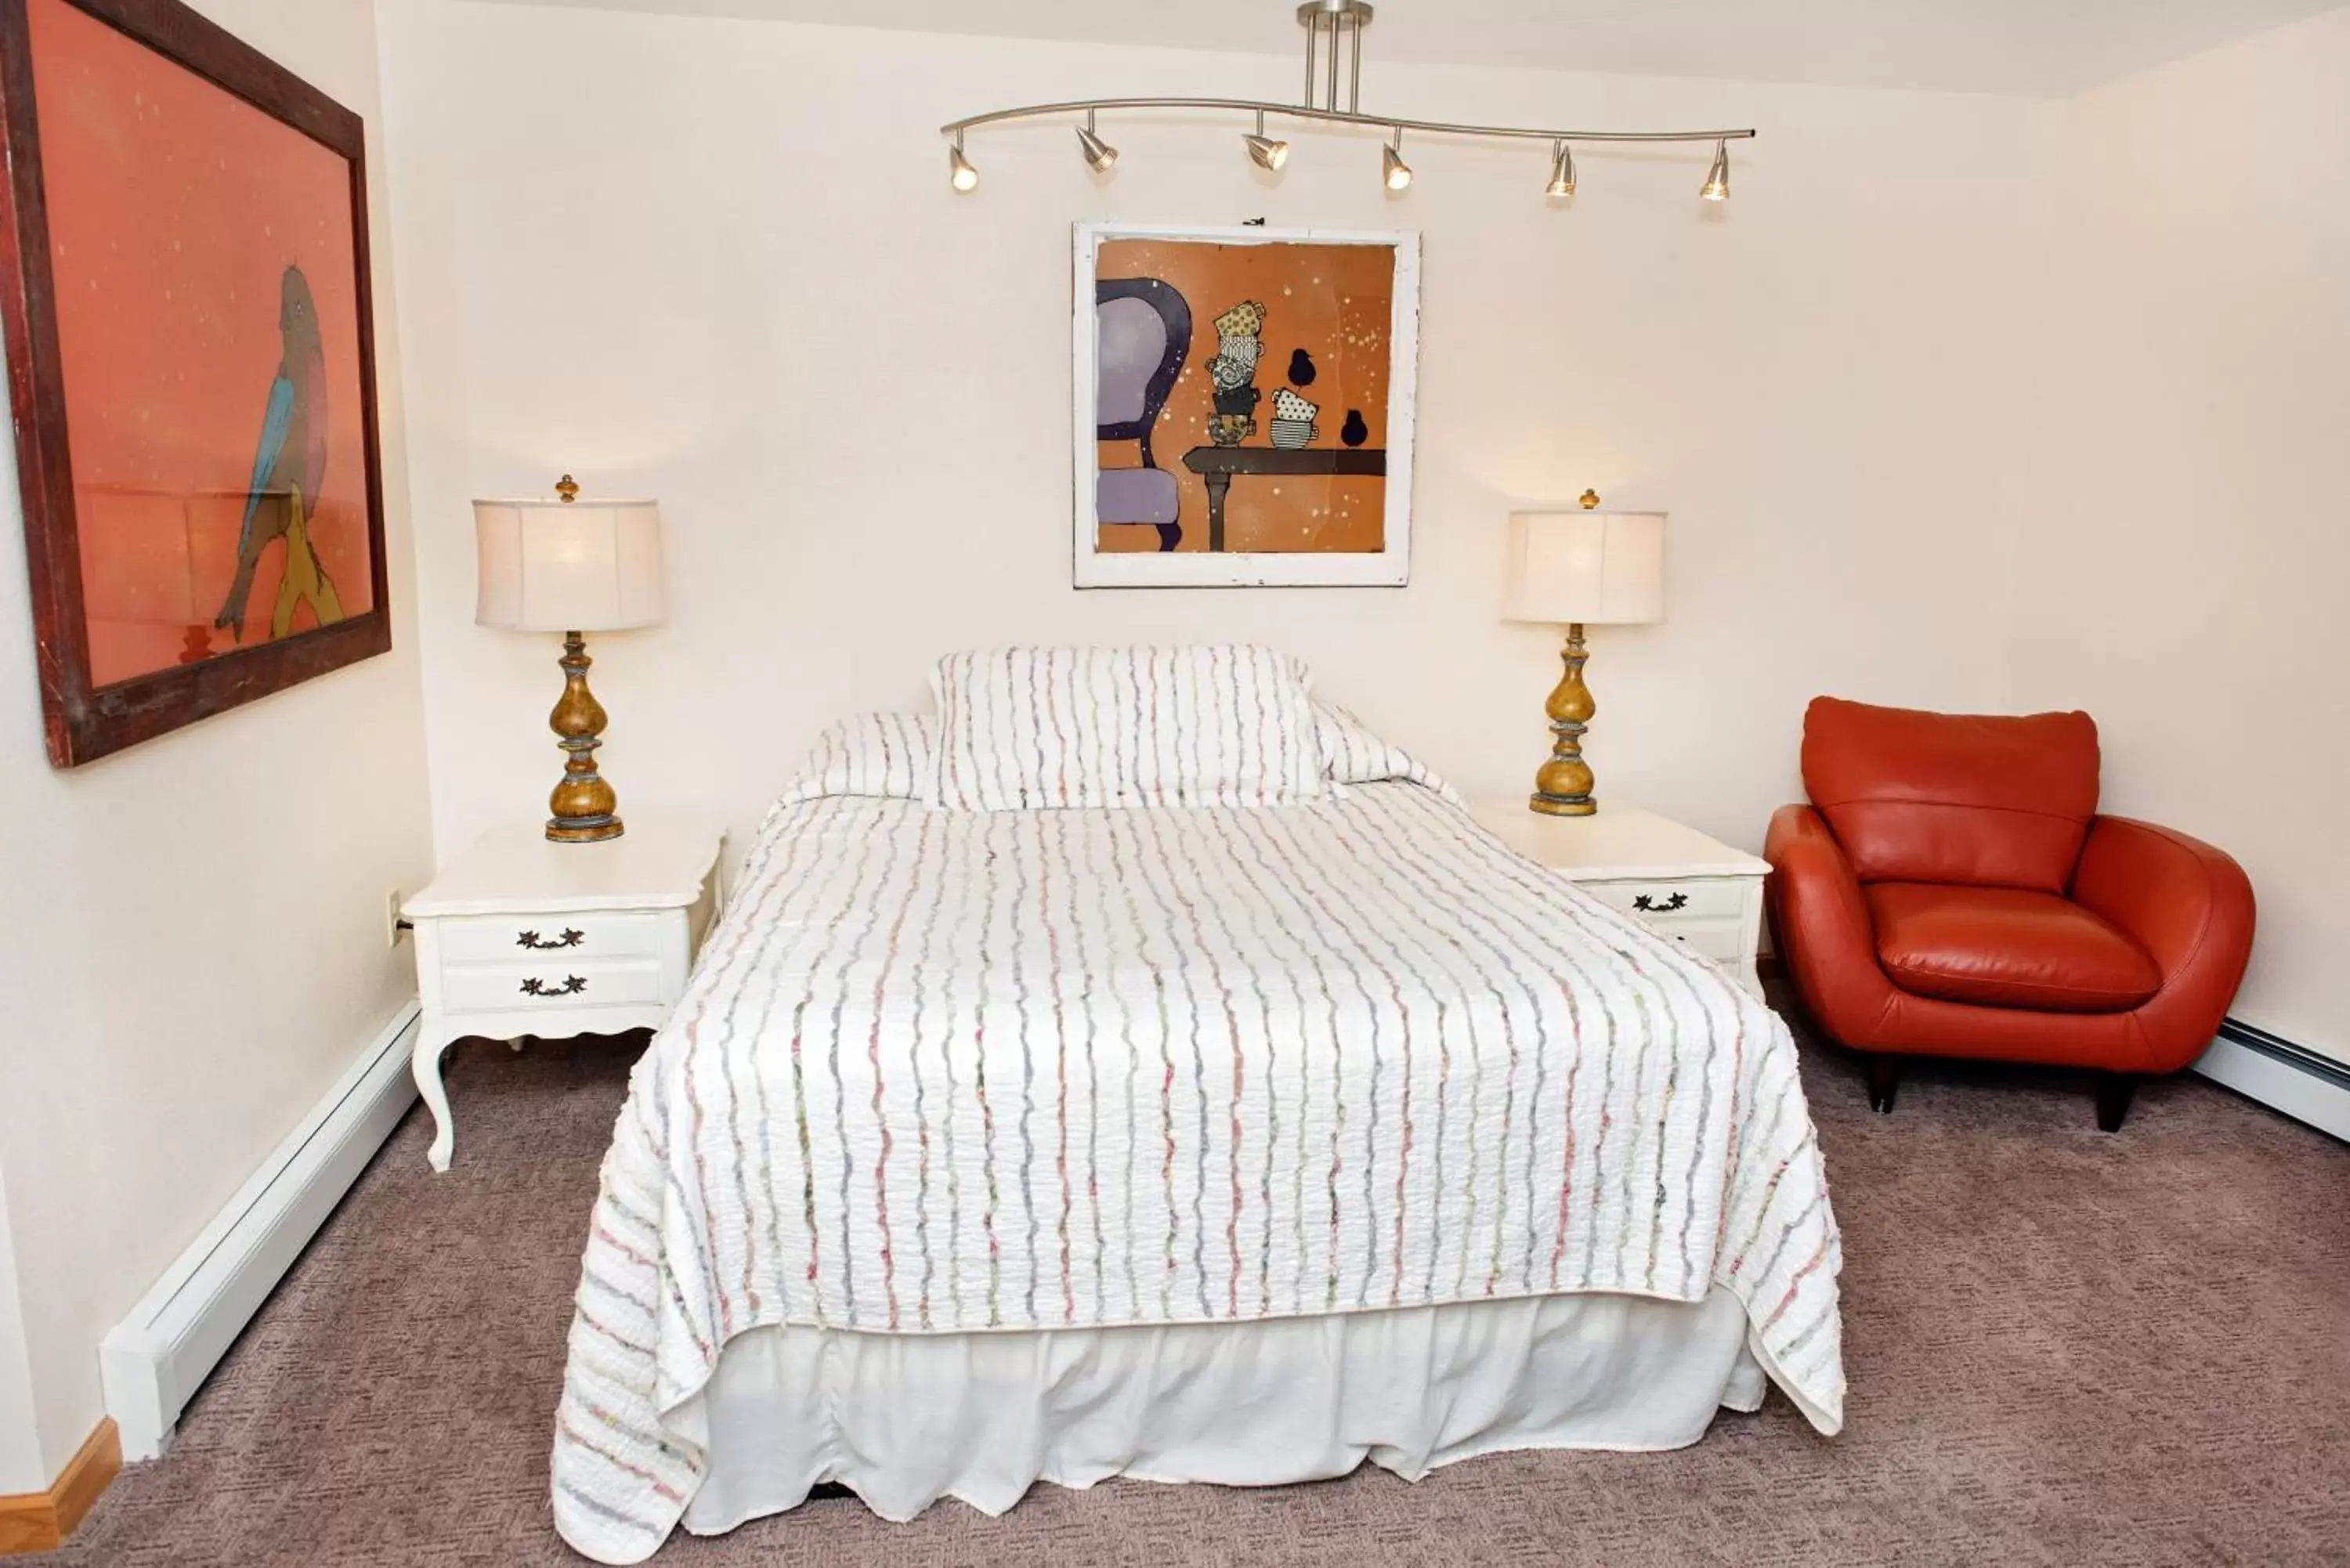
column 949, row 1072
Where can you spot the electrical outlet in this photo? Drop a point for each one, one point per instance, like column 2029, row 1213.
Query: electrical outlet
column 393, row 926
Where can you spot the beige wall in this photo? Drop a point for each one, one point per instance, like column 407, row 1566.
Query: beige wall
column 2183, row 571
column 21, row 1468
column 717, row 261
column 191, row 948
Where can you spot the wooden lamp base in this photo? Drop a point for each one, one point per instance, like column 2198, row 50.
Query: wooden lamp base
column 1563, row 785
column 584, row 808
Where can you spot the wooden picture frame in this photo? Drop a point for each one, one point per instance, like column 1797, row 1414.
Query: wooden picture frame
column 88, row 714
column 1166, row 409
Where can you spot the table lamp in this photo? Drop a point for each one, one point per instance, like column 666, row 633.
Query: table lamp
column 1575, row 569
column 572, row 565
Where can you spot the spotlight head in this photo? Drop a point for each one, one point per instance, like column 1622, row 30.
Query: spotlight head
column 1561, row 172
column 960, row 173
column 1100, row 156
column 1266, row 152
column 1716, row 178
column 1397, row 172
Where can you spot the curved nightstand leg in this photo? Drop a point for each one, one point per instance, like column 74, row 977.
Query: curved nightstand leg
column 425, row 1066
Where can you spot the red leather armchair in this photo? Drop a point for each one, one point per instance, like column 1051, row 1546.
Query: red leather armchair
column 1950, row 891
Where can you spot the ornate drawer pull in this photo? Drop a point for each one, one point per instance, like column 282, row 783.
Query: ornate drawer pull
column 1647, row 903
column 569, row 938
column 572, row 986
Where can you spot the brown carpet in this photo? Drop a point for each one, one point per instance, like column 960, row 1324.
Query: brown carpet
column 2064, row 1347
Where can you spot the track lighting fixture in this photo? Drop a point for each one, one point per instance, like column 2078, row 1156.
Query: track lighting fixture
column 1397, row 173
column 1266, row 152
column 1562, row 171
column 1332, row 96
column 1100, row 156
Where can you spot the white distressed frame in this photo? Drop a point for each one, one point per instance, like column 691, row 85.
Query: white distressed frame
column 1389, row 566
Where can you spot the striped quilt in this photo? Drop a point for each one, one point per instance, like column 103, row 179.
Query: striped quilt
column 944, row 1072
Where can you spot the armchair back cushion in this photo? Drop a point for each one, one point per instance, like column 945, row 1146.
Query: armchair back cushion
column 1973, row 800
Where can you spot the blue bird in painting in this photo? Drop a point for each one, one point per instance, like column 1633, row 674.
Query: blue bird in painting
column 290, row 465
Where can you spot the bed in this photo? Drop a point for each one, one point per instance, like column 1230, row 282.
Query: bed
column 1138, row 1067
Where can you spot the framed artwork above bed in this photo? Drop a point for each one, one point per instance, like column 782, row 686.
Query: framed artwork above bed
column 1243, row 404
column 183, row 288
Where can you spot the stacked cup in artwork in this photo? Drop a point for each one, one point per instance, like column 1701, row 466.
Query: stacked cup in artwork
column 1293, row 420
column 1240, row 344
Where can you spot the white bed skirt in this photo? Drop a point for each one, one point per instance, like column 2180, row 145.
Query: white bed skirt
column 905, row 1419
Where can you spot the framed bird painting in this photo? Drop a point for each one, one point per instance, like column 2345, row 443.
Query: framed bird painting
column 184, row 290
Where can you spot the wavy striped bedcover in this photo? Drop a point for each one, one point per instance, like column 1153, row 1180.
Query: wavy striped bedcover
column 1019, row 1070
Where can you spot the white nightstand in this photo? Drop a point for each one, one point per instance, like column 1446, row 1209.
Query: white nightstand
column 1691, row 888
column 520, row 937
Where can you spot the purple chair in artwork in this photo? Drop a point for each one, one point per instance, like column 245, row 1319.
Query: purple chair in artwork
column 1142, row 329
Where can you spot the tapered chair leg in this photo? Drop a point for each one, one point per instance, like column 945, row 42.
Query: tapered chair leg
column 1884, row 1075
column 2114, row 1091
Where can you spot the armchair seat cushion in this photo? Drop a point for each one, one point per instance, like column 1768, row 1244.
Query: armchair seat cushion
column 2005, row 946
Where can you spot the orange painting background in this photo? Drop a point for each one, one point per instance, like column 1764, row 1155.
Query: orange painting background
column 1335, row 301
column 173, row 211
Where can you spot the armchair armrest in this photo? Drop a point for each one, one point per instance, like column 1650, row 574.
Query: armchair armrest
column 1822, row 926
column 2189, row 906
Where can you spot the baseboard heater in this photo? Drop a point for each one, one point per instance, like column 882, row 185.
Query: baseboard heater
column 2281, row 1074
column 155, row 1359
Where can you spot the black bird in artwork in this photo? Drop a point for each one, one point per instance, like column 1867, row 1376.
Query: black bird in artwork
column 1354, row 432
column 1300, row 369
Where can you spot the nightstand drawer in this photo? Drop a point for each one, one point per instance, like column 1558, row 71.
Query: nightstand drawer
column 1697, row 898
column 523, row 939
column 1724, row 941
column 552, row 983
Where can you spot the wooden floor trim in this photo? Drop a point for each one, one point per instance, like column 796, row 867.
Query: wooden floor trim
column 40, row 1520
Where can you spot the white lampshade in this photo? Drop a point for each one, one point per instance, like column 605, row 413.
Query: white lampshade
column 1601, row 568
column 569, row 566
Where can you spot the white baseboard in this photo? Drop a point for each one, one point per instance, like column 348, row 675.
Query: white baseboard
column 2283, row 1076
column 155, row 1359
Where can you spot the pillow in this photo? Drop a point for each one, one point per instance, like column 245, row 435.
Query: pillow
column 1352, row 754
column 892, row 755
column 1028, row 728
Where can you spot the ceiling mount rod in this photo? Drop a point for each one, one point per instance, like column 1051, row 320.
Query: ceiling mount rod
column 1355, row 81
column 1344, row 20
column 1330, row 90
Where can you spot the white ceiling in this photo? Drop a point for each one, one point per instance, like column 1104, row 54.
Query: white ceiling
column 2037, row 47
